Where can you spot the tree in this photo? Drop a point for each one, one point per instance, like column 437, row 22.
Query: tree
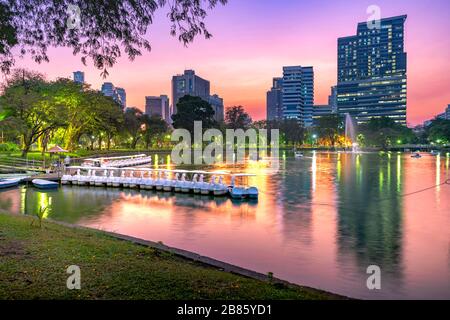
column 439, row 131
column 133, row 125
column 237, row 118
column 329, row 128
column 292, row 131
column 99, row 30
column 190, row 109
column 384, row 132
column 31, row 104
column 154, row 127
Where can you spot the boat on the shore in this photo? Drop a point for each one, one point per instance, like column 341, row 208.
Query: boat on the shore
column 9, row 183
column 45, row 184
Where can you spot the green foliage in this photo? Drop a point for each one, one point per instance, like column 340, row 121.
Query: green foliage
column 9, row 146
column 60, row 111
column 155, row 128
column 439, row 131
column 115, row 269
column 384, row 132
column 292, row 131
column 190, row 109
column 40, row 215
column 237, row 118
column 330, row 128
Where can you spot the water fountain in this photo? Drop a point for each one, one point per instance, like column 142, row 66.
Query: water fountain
column 350, row 132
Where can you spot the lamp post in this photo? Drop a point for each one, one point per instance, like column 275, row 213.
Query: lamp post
column 314, row 136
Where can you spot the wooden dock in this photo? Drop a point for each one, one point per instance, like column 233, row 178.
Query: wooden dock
column 50, row 176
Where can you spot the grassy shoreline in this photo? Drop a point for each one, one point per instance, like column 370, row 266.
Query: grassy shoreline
column 34, row 264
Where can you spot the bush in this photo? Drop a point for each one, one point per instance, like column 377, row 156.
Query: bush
column 9, row 146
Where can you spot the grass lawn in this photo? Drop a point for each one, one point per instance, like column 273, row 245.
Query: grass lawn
column 33, row 264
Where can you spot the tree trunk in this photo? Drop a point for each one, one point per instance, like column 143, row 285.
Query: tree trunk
column 26, row 145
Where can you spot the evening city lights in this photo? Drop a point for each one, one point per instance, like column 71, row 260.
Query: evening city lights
column 225, row 158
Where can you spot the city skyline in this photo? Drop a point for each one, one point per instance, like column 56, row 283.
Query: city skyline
column 241, row 59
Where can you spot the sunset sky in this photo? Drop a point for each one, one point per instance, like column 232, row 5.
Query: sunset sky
column 253, row 39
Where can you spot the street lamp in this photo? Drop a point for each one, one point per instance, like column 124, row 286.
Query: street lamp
column 314, row 136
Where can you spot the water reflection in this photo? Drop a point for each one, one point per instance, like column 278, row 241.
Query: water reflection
column 320, row 221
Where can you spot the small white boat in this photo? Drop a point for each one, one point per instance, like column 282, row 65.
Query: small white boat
column 45, row 184
column 159, row 183
column 110, row 179
column 167, row 184
column 101, row 181
column 198, row 184
column 207, row 188
column 242, row 190
column 66, row 179
column 84, row 180
column 177, row 182
column 8, row 183
column 134, row 182
column 298, row 154
column 252, row 193
column 92, row 178
column 117, row 182
column 238, row 192
column 76, row 178
column 185, row 185
column 435, row 152
column 220, row 189
column 193, row 182
column 126, row 181
column 147, row 183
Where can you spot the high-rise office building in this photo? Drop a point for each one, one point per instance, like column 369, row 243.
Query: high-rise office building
column 118, row 94
column 332, row 99
column 109, row 90
column 78, row 77
column 189, row 83
column 447, row 112
column 158, row 106
column 122, row 97
column 217, row 105
column 274, row 102
column 298, row 94
column 320, row 111
column 372, row 71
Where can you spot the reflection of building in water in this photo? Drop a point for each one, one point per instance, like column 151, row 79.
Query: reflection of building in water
column 294, row 194
column 370, row 218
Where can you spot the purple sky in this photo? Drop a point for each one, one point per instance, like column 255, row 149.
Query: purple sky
column 253, row 39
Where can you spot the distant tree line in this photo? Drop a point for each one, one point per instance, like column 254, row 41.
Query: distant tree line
column 37, row 112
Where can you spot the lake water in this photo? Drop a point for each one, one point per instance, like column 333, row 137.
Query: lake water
column 320, row 221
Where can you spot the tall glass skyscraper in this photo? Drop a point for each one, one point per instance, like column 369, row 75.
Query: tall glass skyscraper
column 372, row 71
column 298, row 94
column 274, row 103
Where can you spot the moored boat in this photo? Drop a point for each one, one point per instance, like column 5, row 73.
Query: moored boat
column 45, row 184
column 8, row 183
